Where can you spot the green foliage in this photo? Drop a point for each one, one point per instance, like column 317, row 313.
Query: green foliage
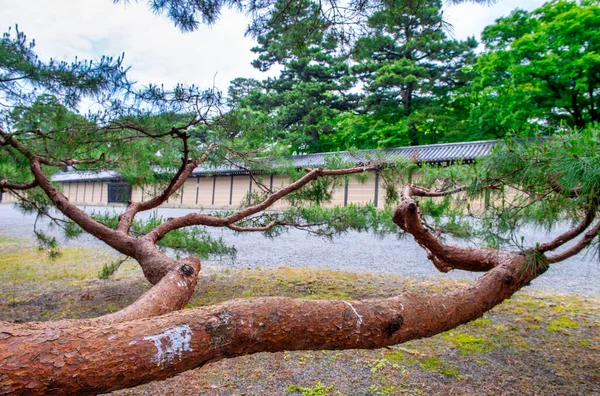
column 297, row 106
column 21, row 73
column 110, row 268
column 195, row 241
column 365, row 132
column 328, row 222
column 556, row 178
column 48, row 243
column 539, row 71
column 189, row 15
column 318, row 390
column 414, row 75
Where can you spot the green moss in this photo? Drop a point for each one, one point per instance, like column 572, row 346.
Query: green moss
column 435, row 364
column 397, row 357
column 318, row 390
column 561, row 325
column 481, row 322
column 468, row 344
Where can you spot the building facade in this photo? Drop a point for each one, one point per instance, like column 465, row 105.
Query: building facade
column 229, row 187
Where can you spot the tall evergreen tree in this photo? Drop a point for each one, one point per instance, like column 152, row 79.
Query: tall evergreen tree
column 413, row 72
column 314, row 81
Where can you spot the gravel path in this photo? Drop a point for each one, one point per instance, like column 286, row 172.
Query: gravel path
column 352, row 252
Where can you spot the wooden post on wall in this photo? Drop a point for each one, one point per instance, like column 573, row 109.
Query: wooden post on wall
column 231, row 190
column 214, row 186
column 376, row 187
column 346, row 191
column 250, row 190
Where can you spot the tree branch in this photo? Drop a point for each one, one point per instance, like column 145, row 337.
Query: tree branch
column 122, row 243
column 584, row 242
column 183, row 173
column 266, row 227
column 213, row 221
column 407, row 216
column 171, row 294
column 8, row 139
column 590, row 214
column 5, row 185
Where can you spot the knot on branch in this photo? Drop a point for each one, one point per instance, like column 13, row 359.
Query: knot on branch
column 191, row 265
column 393, row 325
column 187, row 270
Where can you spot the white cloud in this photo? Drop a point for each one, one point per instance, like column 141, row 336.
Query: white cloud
column 157, row 51
column 470, row 19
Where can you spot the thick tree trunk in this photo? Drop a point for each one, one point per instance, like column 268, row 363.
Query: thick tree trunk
column 171, row 294
column 103, row 358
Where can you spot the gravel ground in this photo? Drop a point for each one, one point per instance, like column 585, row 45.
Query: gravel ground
column 352, row 252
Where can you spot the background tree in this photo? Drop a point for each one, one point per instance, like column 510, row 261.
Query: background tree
column 545, row 59
column 314, row 81
column 413, row 72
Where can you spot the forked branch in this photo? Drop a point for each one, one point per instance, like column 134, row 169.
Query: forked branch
column 183, row 173
column 569, row 235
column 584, row 242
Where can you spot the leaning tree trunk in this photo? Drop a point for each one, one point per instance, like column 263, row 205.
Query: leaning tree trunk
column 108, row 357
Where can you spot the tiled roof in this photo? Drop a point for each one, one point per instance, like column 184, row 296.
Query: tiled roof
column 83, row 176
column 432, row 153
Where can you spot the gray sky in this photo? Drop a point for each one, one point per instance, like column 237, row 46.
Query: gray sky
column 158, row 52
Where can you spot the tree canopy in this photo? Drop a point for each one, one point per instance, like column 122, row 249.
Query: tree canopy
column 543, row 58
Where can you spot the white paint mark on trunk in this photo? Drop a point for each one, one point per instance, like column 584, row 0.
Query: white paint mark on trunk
column 359, row 321
column 225, row 317
column 171, row 344
column 182, row 284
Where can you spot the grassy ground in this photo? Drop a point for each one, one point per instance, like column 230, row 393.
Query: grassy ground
column 533, row 344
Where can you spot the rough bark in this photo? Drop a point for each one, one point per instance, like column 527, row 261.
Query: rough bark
column 445, row 257
column 171, row 294
column 103, row 358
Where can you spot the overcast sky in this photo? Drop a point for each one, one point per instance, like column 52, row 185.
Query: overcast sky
column 159, row 53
